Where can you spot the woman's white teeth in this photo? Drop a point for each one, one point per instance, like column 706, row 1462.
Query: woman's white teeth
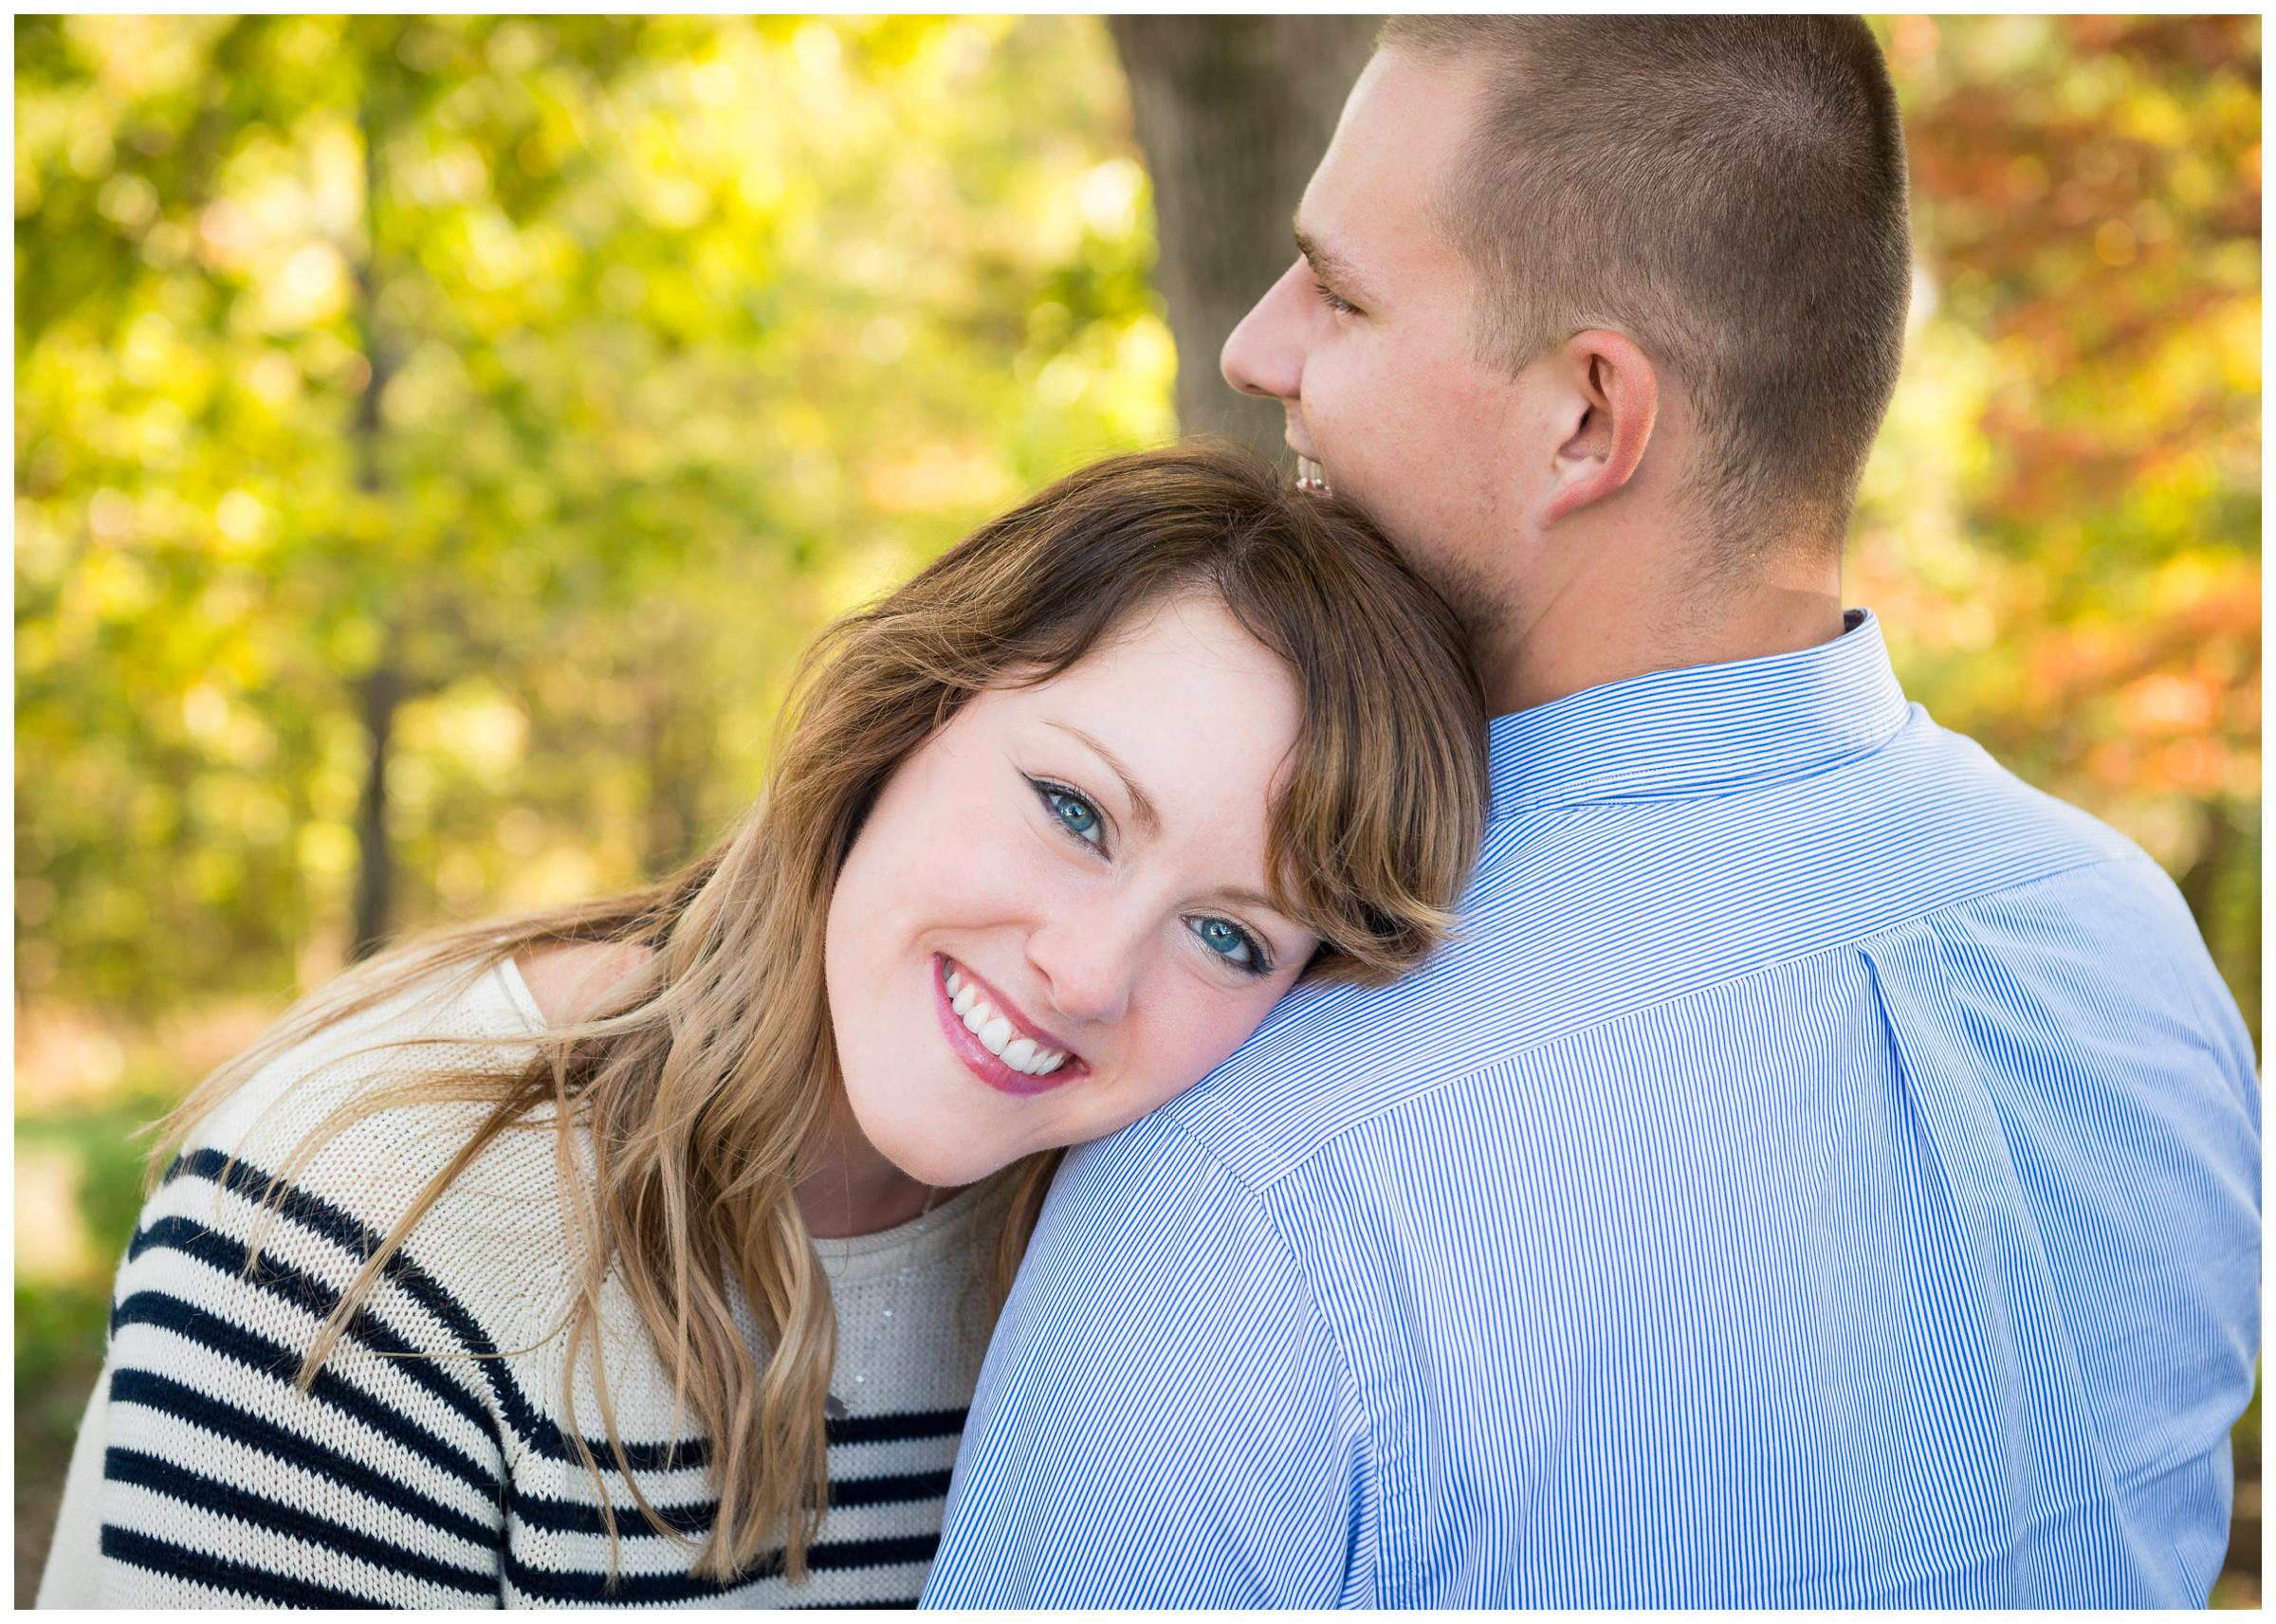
column 994, row 1031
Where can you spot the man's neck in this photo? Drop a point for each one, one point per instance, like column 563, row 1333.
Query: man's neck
column 1617, row 623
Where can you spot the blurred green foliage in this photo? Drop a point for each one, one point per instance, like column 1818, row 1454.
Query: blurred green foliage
column 689, row 334
column 576, row 370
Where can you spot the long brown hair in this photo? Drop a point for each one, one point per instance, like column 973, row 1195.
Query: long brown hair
column 710, row 1073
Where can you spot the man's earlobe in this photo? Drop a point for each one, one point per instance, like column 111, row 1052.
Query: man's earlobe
column 1618, row 394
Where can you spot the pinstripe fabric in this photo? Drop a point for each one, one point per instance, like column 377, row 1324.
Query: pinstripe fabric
column 1825, row 1174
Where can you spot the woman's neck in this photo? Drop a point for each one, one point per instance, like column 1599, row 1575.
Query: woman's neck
column 855, row 1190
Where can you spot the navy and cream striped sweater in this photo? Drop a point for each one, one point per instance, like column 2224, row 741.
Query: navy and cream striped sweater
column 202, row 1477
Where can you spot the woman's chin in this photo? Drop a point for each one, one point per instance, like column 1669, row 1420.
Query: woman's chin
column 943, row 1169
column 929, row 1154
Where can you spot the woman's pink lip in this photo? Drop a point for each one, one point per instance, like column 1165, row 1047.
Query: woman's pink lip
column 987, row 1067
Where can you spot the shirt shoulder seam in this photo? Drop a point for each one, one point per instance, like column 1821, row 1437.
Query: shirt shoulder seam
column 1348, row 1379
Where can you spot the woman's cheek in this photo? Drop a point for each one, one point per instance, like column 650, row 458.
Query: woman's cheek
column 1231, row 1019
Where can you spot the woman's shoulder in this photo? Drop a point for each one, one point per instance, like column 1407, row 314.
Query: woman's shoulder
column 339, row 1130
column 568, row 980
column 337, row 1050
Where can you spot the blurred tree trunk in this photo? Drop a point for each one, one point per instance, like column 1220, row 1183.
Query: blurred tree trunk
column 381, row 689
column 379, row 693
column 1233, row 112
column 676, row 725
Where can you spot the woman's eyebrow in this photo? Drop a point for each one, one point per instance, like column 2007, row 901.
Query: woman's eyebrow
column 1141, row 808
column 1245, row 896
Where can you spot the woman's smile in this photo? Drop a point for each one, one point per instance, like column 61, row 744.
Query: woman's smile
column 994, row 1038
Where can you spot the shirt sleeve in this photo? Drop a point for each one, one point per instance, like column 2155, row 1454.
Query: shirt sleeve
column 1165, row 1418
column 205, row 1477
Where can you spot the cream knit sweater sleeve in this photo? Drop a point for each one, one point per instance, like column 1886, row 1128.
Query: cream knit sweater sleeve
column 203, row 1476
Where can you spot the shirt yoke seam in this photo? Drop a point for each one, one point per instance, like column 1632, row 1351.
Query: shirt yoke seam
column 1470, row 1073
column 1572, row 801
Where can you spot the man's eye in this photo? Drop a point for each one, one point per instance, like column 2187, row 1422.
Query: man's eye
column 1233, row 944
column 1335, row 300
column 1079, row 818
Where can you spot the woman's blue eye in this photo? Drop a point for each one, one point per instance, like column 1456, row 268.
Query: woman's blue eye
column 1078, row 814
column 1231, row 944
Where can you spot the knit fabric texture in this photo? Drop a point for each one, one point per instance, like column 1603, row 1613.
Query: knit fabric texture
column 203, row 1477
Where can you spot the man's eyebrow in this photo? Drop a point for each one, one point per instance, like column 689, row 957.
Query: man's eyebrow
column 1327, row 264
column 1141, row 808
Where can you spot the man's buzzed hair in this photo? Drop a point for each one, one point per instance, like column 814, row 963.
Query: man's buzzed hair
column 1729, row 193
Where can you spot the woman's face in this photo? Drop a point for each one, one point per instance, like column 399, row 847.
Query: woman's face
column 1075, row 869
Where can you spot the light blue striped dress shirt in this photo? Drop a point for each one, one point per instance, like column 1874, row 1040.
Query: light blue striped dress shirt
column 1826, row 1172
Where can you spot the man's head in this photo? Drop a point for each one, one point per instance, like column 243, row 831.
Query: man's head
column 1563, row 241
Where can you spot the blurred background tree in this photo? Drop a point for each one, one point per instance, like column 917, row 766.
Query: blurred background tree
column 1232, row 113
column 435, row 437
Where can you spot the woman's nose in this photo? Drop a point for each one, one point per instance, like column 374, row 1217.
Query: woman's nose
column 1264, row 355
column 1088, row 963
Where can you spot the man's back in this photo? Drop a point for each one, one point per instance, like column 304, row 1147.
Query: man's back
column 1826, row 1172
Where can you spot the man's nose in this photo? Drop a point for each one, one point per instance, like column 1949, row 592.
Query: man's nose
column 1090, row 963
column 1265, row 354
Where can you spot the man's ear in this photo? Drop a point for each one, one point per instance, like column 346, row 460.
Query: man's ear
column 1611, row 398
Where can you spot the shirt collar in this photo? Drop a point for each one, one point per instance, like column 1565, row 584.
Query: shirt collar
column 1702, row 730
